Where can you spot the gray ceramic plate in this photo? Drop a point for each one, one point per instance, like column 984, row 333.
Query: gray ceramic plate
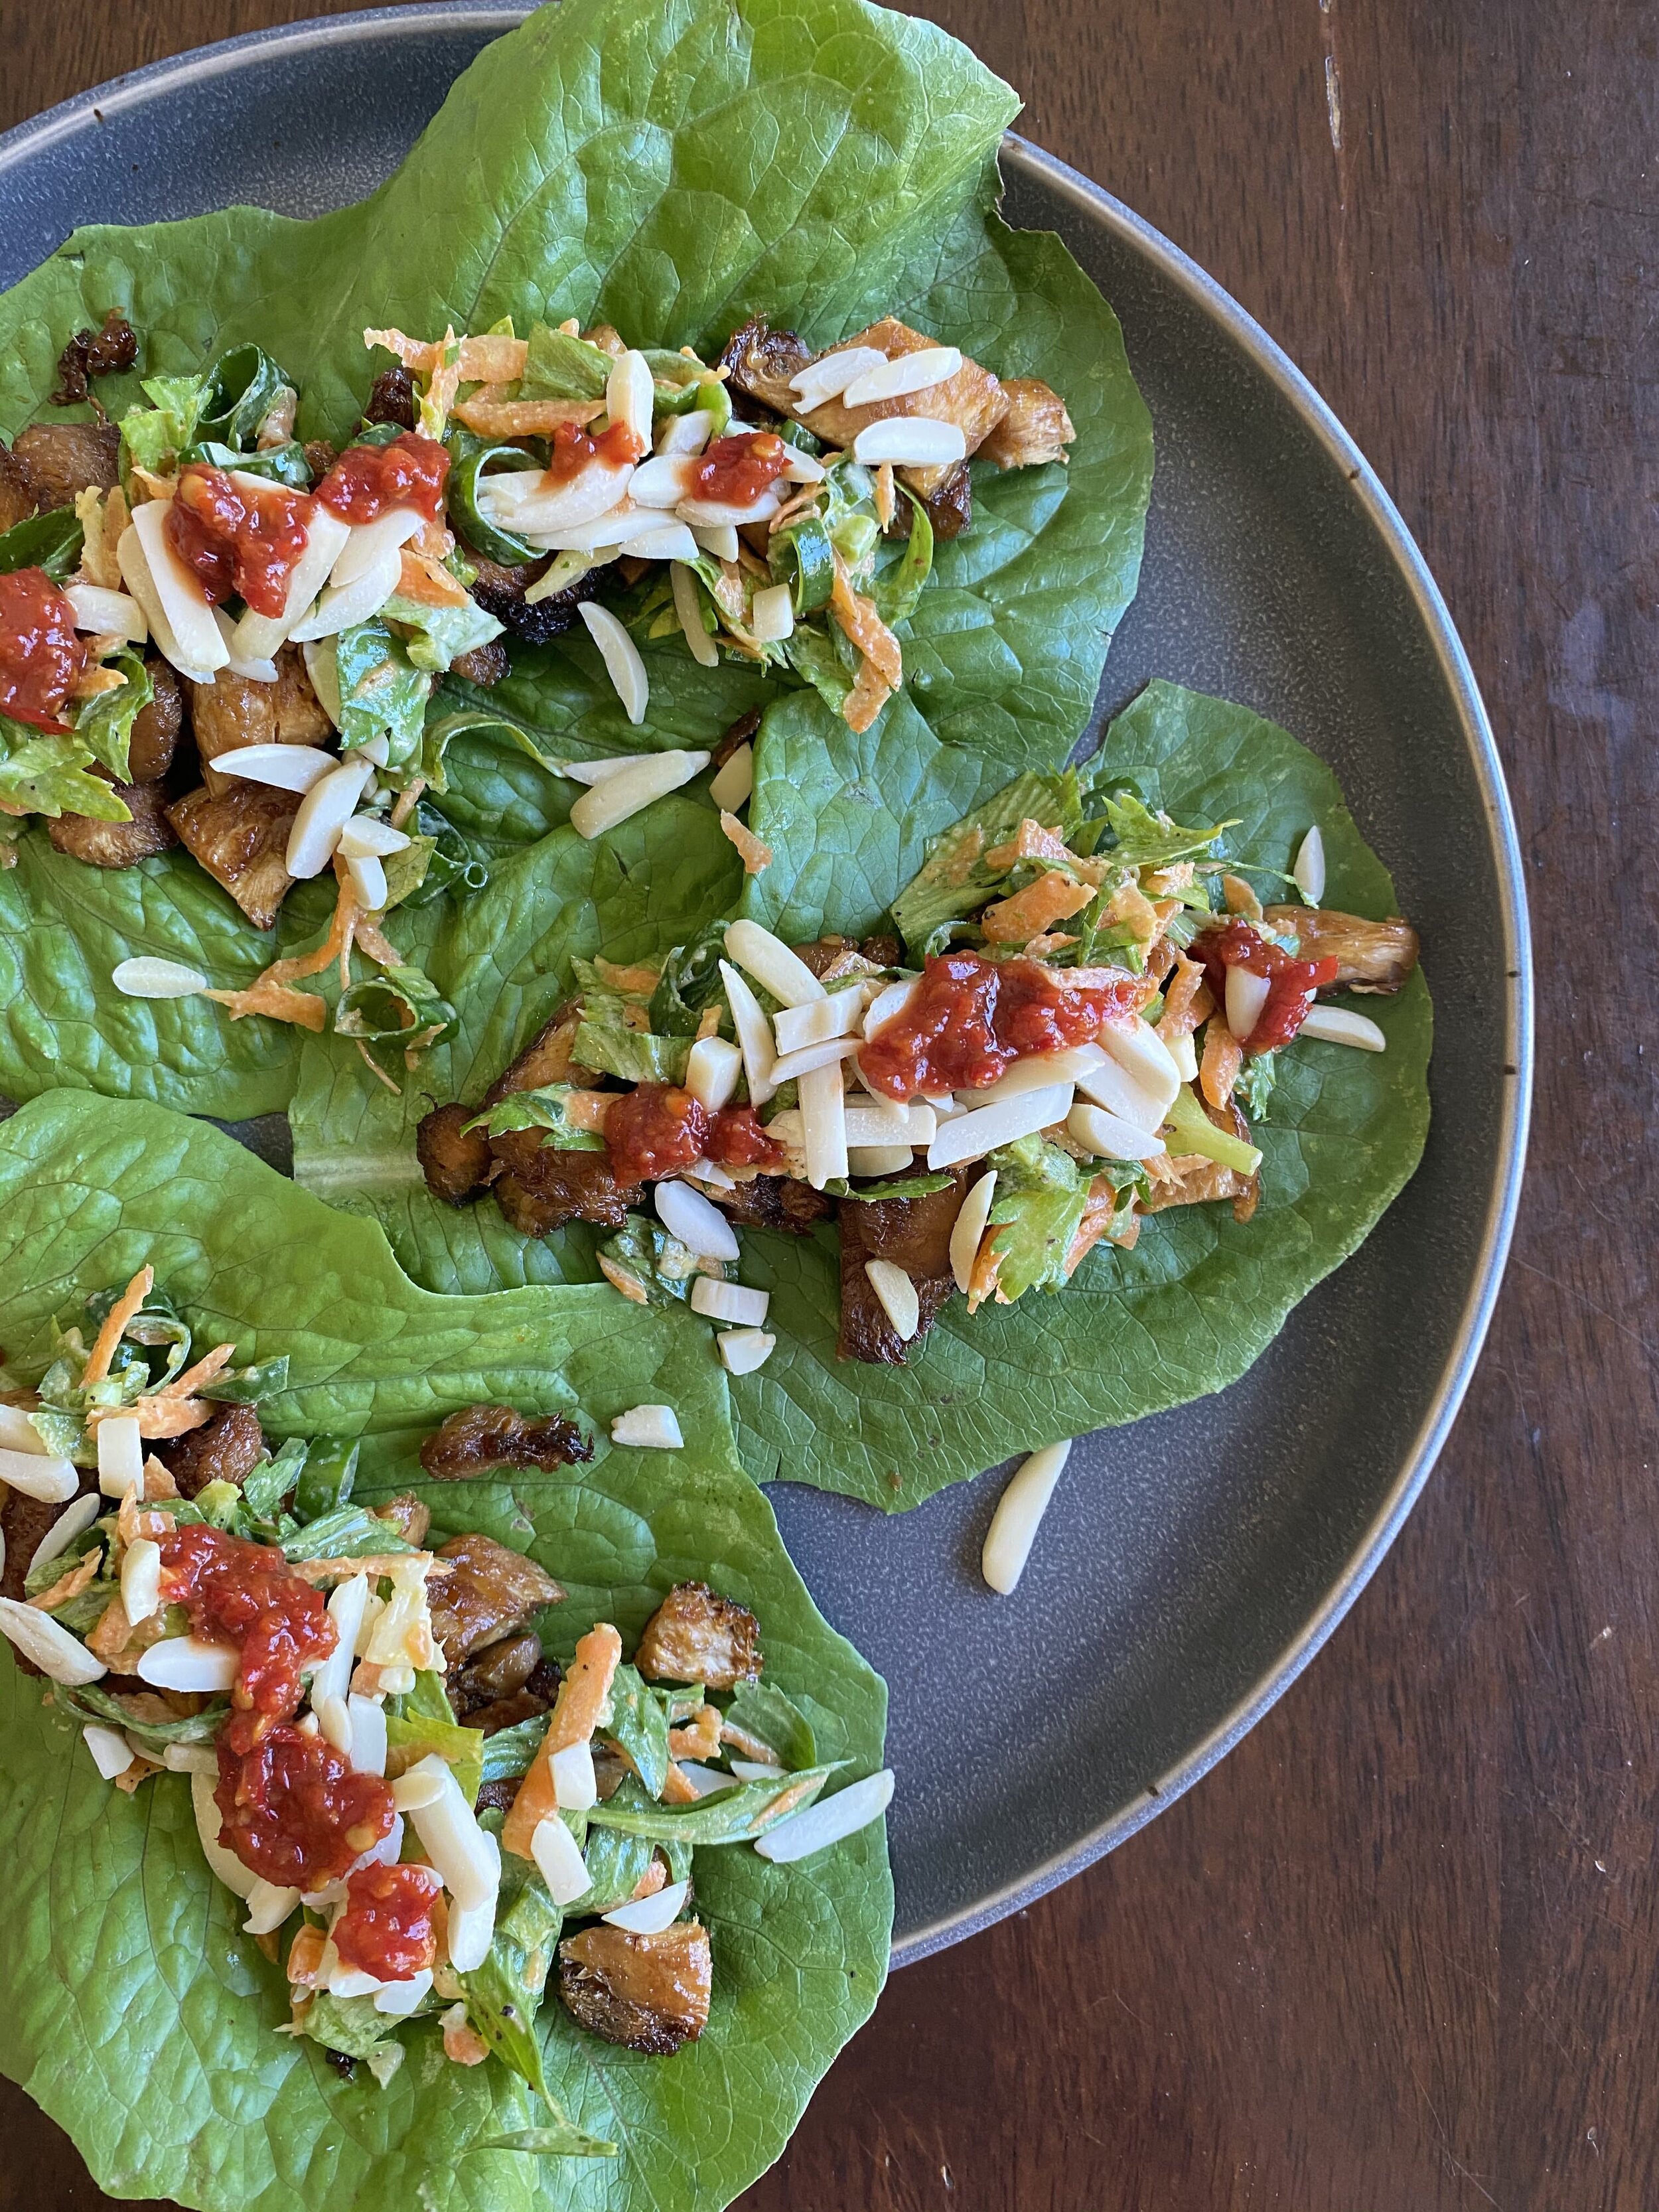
column 1189, row 1566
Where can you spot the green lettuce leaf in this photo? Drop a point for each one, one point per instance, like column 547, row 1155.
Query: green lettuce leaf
column 47, row 773
column 138, row 2014
column 104, row 725
column 668, row 169
column 1200, row 1297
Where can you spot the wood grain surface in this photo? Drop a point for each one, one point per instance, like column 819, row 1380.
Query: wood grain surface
column 1397, row 1953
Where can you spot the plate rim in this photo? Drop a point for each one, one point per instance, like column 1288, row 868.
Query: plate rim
column 1361, row 485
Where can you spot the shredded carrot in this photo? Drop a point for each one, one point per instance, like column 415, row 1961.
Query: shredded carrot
column 407, row 801
column 757, row 854
column 701, row 1739
column 70, row 1585
column 1097, row 1220
column 160, row 1418
column 305, row 1957
column 462, row 2045
column 1030, row 842
column 129, row 1303
column 428, row 582
column 269, row 994
column 1178, row 1019
column 158, row 1479
column 860, row 622
column 621, row 1280
column 1240, row 898
column 92, row 680
column 524, row 418
column 1054, row 896
column 303, row 1008
column 131, row 1523
column 373, row 1563
column 583, row 1696
column 1217, row 1071
column 868, row 696
column 587, row 1109
column 886, row 497
column 183, row 1386
column 786, row 1800
column 802, row 502
column 982, row 1275
column 638, row 976
column 679, row 1789
column 654, row 1878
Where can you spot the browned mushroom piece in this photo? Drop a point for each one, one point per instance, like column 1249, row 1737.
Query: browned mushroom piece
column 742, row 732
column 242, row 840
column 24, row 1522
column 776, row 1202
column 1372, row 956
column 484, row 664
column 392, row 397
column 65, row 457
column 455, row 1160
column 546, row 1058
column 820, row 954
column 973, row 400
column 492, row 1592
column 410, row 1516
column 697, row 1636
column 949, row 502
column 479, row 1439
column 227, row 1448
column 500, row 590
column 499, row 1670
column 18, row 496
column 541, row 1186
column 157, row 727
column 117, row 844
column 233, row 711
column 94, row 352
column 915, row 1234
column 1036, row 428
column 647, row 1992
column 759, row 362
column 884, row 950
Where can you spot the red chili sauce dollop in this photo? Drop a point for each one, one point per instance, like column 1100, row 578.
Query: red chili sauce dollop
column 571, row 448
column 738, row 1140
column 40, row 656
column 247, row 1594
column 968, row 1020
column 387, row 1927
column 654, row 1131
column 369, row 480
column 1294, row 981
column 737, row 470
column 234, row 539
column 294, row 1810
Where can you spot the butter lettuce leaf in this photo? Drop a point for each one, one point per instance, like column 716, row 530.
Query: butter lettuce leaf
column 136, row 2011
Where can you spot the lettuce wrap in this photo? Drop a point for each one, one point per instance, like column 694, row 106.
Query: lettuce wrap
column 1133, row 1332
column 138, row 2014
column 670, row 170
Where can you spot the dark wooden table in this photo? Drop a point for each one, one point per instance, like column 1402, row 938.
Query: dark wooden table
column 1396, row 1955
